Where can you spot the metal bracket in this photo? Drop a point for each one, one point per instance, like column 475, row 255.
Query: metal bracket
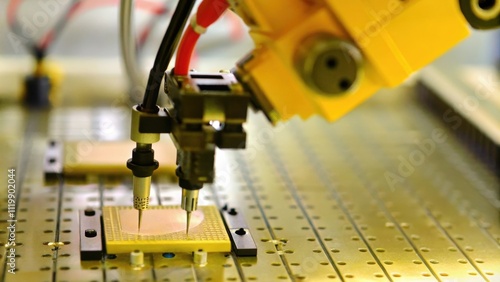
column 241, row 238
column 90, row 235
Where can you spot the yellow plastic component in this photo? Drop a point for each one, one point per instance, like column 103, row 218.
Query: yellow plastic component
column 108, row 158
column 395, row 37
column 210, row 235
column 55, row 74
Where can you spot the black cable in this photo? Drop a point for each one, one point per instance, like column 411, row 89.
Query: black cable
column 165, row 53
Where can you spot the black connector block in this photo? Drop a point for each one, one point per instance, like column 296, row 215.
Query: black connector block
column 142, row 163
column 37, row 90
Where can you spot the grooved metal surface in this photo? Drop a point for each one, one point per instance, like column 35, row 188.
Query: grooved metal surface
column 385, row 194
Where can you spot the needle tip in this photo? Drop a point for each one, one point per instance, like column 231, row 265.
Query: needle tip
column 188, row 219
column 139, row 222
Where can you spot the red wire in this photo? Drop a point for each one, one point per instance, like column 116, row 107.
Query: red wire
column 12, row 11
column 83, row 6
column 49, row 36
column 152, row 7
column 185, row 51
column 208, row 12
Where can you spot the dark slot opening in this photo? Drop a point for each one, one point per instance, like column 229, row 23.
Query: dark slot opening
column 207, row 76
column 214, row 87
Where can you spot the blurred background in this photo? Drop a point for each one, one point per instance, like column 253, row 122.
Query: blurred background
column 92, row 36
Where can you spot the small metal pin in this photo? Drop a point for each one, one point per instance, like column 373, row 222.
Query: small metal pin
column 139, row 222
column 188, row 219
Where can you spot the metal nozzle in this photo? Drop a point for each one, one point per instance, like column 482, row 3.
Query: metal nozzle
column 189, row 203
column 142, row 186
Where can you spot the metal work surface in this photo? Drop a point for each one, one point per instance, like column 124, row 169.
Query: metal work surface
column 385, row 194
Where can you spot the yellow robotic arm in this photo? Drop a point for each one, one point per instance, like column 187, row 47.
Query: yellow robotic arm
column 311, row 57
column 326, row 57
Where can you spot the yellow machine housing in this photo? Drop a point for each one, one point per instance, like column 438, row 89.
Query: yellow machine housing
column 395, row 38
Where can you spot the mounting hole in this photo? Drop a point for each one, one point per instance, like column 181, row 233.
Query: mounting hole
column 90, row 233
column 240, row 232
column 331, row 63
column 168, row 255
column 345, row 84
column 89, row 212
column 486, row 4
